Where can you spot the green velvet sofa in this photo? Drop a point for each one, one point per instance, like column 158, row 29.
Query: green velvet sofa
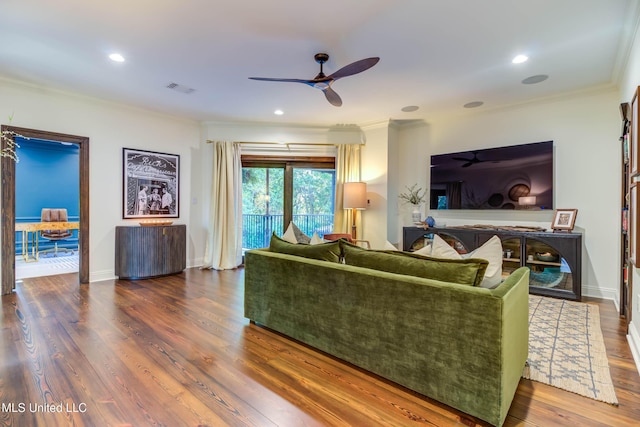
column 462, row 345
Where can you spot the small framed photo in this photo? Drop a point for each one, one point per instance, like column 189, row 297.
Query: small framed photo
column 151, row 184
column 564, row 219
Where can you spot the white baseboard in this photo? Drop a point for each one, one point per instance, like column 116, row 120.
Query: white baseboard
column 99, row 276
column 634, row 343
column 597, row 292
column 197, row 262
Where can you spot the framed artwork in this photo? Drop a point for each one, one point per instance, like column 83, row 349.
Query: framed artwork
column 564, row 219
column 151, row 184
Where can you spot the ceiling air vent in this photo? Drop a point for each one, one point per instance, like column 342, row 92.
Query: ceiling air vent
column 180, row 88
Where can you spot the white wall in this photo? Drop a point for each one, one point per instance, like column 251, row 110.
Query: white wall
column 585, row 129
column 413, row 168
column 110, row 127
column 375, row 172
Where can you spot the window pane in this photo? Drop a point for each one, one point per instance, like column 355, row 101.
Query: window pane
column 262, row 205
column 313, row 200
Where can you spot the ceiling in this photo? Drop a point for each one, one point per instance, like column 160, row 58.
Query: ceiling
column 434, row 54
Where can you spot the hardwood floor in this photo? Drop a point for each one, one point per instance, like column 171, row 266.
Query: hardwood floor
column 177, row 351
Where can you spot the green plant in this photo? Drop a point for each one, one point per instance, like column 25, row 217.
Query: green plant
column 8, row 143
column 414, row 196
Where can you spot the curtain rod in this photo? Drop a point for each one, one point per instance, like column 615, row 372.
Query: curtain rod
column 286, row 144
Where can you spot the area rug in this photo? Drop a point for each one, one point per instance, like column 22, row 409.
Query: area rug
column 46, row 266
column 566, row 348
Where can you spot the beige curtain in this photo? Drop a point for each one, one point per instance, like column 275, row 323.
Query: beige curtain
column 347, row 170
column 223, row 248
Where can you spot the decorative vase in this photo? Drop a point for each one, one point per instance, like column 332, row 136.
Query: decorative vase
column 430, row 221
column 416, row 215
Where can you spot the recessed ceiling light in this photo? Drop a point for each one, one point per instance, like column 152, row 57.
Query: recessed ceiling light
column 116, row 57
column 535, row 79
column 409, row 108
column 278, row 112
column 519, row 59
column 473, row 104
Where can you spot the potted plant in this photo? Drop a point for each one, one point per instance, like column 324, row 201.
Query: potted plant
column 414, row 196
column 8, row 144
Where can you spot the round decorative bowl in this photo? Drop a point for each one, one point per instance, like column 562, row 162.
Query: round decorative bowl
column 547, row 257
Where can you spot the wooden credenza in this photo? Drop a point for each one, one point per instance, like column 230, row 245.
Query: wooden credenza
column 150, row 251
column 559, row 277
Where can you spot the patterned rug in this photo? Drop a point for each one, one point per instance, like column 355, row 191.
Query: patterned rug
column 566, row 348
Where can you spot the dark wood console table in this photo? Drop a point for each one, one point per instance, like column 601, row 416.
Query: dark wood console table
column 558, row 274
column 150, row 251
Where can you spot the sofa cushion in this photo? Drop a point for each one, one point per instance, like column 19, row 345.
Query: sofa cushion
column 466, row 271
column 323, row 251
column 491, row 250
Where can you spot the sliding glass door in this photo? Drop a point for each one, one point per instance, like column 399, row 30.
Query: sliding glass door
column 313, row 200
column 262, row 205
column 276, row 191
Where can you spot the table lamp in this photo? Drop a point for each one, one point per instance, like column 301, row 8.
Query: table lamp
column 354, row 197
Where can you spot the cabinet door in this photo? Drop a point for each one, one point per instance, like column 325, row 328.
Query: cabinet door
column 174, row 247
column 555, row 266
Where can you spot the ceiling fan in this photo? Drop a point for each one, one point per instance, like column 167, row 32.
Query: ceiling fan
column 470, row 161
column 323, row 82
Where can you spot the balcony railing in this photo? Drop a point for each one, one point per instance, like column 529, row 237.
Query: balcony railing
column 257, row 229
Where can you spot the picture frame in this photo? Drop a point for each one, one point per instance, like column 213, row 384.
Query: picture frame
column 564, row 219
column 151, row 184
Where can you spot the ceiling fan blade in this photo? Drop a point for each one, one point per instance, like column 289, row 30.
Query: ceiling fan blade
column 332, row 96
column 355, row 68
column 267, row 79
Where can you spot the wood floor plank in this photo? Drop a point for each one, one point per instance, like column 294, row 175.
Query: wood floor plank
column 177, row 351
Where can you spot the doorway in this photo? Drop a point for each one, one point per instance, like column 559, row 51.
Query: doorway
column 8, row 175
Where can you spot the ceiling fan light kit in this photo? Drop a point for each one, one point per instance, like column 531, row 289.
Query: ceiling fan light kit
column 324, row 82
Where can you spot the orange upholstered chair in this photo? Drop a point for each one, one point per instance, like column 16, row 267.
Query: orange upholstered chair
column 347, row 236
column 55, row 235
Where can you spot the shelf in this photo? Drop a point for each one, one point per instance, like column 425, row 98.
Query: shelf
column 549, row 263
column 560, row 278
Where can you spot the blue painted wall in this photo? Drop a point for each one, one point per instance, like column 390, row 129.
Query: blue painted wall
column 47, row 176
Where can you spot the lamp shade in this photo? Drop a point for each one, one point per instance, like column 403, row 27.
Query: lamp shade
column 354, row 195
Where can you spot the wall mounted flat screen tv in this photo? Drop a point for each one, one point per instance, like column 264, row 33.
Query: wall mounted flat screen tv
column 513, row 177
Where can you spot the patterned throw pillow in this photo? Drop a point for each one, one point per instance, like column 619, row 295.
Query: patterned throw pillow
column 295, row 235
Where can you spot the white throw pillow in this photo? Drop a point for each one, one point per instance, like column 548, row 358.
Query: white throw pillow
column 290, row 235
column 424, row 251
column 491, row 250
column 315, row 239
column 388, row 246
column 441, row 249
